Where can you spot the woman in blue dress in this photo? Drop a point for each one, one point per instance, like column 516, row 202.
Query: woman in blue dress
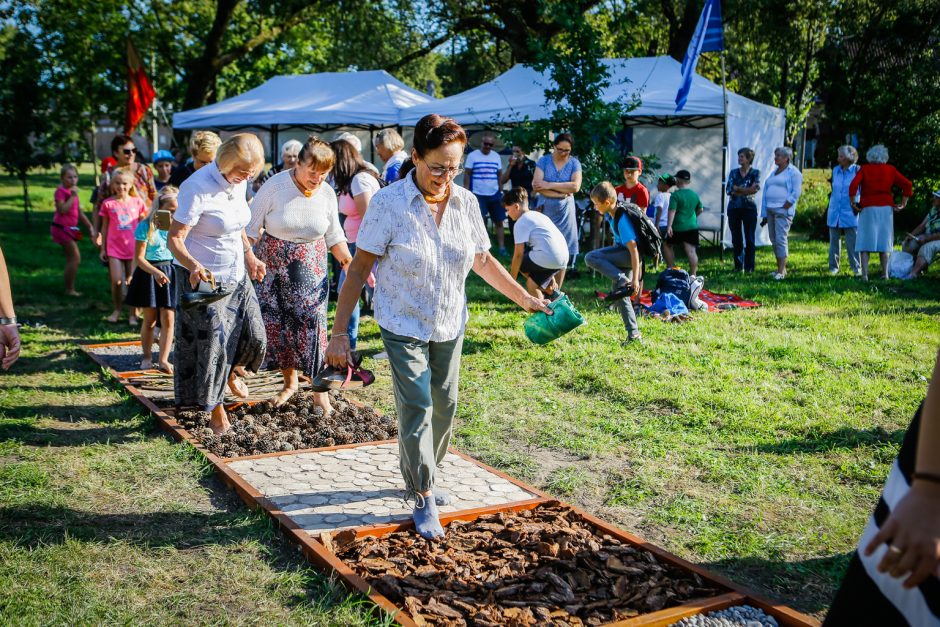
column 557, row 180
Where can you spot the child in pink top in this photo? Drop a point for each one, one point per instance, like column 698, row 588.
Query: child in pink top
column 64, row 229
column 119, row 217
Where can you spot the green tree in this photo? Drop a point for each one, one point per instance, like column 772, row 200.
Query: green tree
column 23, row 111
column 574, row 60
column 881, row 80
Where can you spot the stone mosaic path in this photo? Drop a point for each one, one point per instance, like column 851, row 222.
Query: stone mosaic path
column 331, row 490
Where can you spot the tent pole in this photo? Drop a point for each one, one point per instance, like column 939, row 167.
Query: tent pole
column 274, row 154
column 724, row 160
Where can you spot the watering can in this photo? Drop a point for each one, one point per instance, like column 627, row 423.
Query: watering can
column 542, row 328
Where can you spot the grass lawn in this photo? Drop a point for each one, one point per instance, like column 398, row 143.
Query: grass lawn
column 754, row 442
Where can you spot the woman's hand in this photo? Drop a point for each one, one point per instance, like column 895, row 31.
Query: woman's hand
column 338, row 353
column 161, row 278
column 912, row 533
column 532, row 304
column 256, row 268
column 199, row 274
column 103, row 255
column 9, row 345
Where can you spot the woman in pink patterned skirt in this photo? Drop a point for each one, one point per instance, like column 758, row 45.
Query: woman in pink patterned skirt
column 294, row 222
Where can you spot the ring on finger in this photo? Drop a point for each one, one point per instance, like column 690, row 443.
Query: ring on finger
column 894, row 549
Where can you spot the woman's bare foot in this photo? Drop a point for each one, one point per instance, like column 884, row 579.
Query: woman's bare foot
column 146, row 364
column 114, row 317
column 283, row 396
column 73, row 293
column 237, row 386
column 165, row 367
column 322, row 400
column 133, row 321
column 219, row 421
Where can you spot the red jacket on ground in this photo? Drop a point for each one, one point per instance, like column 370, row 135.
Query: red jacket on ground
column 876, row 181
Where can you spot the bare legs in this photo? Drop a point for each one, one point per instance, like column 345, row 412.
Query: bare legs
column 120, row 271
column 919, row 264
column 782, row 265
column 865, row 257
column 292, row 384
column 73, row 258
column 147, row 329
column 669, row 255
column 218, row 422
column 692, row 254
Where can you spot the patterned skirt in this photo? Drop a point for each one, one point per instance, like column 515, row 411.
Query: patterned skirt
column 563, row 213
column 293, row 298
column 212, row 339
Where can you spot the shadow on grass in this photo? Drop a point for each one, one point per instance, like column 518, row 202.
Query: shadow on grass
column 806, row 585
column 75, row 434
column 38, row 525
column 845, row 438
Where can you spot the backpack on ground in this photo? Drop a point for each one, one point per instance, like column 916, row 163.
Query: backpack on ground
column 679, row 283
column 648, row 240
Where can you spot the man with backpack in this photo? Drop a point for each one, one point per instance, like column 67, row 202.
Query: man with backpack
column 622, row 263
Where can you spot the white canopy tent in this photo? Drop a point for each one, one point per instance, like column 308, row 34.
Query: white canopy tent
column 357, row 100
column 691, row 140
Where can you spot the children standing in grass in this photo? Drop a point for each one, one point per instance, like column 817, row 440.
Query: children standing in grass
column 64, row 229
column 119, row 217
column 154, row 284
column 541, row 251
column 684, row 209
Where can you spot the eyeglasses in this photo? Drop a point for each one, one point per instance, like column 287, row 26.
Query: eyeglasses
column 563, row 151
column 130, row 151
column 450, row 172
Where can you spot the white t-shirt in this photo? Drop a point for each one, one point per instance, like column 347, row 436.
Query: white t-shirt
column 775, row 190
column 217, row 211
column 485, row 175
column 661, row 203
column 285, row 213
column 549, row 248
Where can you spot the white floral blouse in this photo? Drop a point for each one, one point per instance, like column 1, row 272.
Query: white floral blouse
column 422, row 267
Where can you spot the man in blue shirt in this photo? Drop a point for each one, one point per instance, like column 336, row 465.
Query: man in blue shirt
column 482, row 172
column 621, row 262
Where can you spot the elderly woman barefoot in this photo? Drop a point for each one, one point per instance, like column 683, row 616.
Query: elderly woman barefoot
column 294, row 221
column 207, row 237
column 426, row 234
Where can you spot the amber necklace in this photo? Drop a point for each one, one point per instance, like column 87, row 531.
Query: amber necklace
column 306, row 192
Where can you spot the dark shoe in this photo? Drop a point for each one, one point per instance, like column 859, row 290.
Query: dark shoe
column 634, row 337
column 621, row 292
column 203, row 295
column 350, row 378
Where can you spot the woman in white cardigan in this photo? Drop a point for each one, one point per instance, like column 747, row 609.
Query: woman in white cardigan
column 782, row 190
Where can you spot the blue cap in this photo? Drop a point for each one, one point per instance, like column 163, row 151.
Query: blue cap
column 163, row 155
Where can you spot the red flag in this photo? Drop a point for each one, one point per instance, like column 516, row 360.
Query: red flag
column 140, row 93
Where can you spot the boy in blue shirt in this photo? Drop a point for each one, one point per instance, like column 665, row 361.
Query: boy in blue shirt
column 621, row 262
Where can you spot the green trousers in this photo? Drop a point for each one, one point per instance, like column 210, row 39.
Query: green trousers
column 424, row 380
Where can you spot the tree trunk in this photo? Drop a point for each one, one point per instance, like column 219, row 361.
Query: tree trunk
column 27, row 203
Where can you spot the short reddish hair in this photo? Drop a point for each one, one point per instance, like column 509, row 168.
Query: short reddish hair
column 433, row 131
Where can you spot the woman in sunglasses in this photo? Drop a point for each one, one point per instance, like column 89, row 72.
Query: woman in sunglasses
column 125, row 154
column 426, row 235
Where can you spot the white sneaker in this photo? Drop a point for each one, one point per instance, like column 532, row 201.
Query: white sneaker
column 382, row 355
column 778, row 276
column 834, row 271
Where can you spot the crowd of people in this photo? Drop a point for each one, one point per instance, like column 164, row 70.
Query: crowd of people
column 229, row 264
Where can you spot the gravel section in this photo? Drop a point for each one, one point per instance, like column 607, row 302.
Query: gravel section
column 296, row 425
column 738, row 616
column 123, row 358
column 536, row 567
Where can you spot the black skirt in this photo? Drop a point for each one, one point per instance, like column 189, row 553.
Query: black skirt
column 143, row 290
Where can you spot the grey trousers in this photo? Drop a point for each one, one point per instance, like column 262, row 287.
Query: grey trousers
column 424, row 381
column 613, row 262
column 835, row 247
column 778, row 228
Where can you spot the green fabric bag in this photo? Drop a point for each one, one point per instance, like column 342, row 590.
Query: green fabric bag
column 542, row 328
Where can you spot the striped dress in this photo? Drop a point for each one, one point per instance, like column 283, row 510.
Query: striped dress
column 868, row 597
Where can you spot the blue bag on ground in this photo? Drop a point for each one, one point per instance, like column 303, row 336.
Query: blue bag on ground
column 669, row 303
column 542, row 328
